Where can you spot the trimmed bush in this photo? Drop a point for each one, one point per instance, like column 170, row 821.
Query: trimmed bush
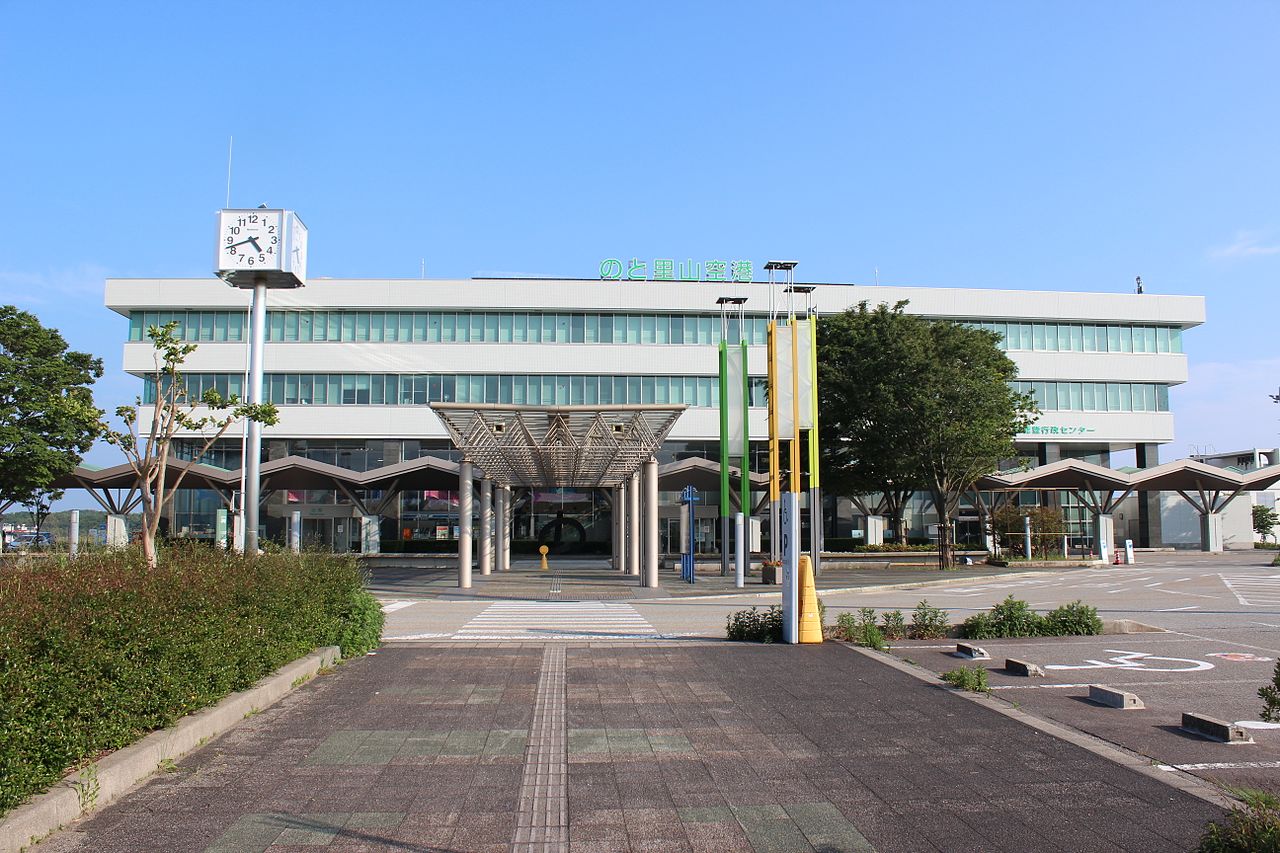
column 1014, row 618
column 1009, row 618
column 1074, row 619
column 96, row 652
column 1251, row 828
column 929, row 622
column 755, row 626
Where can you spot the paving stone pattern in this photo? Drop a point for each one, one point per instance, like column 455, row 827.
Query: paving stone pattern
column 643, row 746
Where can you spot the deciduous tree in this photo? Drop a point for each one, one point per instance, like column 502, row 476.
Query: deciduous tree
column 912, row 402
column 47, row 416
column 174, row 411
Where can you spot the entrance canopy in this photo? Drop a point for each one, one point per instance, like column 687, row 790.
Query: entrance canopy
column 558, row 446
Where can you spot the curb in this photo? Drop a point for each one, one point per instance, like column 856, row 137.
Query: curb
column 873, row 588
column 1180, row 779
column 120, row 771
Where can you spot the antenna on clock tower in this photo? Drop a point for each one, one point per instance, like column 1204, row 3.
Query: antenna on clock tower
column 231, row 140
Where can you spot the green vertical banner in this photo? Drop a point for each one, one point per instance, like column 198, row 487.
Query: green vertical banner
column 724, row 429
column 814, row 481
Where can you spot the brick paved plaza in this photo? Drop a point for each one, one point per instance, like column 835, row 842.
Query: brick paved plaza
column 638, row 746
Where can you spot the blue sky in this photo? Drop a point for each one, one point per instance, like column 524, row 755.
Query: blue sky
column 1007, row 145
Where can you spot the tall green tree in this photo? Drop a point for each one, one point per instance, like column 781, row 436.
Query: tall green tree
column 47, row 416
column 863, row 432
column 913, row 403
column 147, row 437
column 967, row 415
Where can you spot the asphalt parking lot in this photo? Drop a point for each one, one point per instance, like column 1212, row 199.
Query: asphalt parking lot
column 1222, row 615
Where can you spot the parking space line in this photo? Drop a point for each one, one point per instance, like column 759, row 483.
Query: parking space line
column 1177, row 609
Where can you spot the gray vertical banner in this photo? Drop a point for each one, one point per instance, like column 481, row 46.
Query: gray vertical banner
column 790, row 524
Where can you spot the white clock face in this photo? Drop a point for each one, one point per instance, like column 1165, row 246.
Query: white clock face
column 250, row 239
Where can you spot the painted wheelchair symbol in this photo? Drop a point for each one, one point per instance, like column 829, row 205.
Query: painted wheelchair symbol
column 1137, row 661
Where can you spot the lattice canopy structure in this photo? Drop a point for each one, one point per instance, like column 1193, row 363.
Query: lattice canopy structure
column 558, row 446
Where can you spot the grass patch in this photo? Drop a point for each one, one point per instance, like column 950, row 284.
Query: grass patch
column 1253, row 827
column 100, row 650
column 972, row 678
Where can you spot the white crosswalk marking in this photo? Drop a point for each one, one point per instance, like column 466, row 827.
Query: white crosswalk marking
column 1254, row 590
column 557, row 620
column 393, row 606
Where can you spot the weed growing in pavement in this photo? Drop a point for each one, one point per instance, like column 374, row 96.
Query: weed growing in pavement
column 860, row 629
column 166, row 765
column 1253, row 826
column 893, row 625
column 755, row 626
column 929, row 622
column 87, row 788
column 973, row 678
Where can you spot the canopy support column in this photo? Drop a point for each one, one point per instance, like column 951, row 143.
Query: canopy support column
column 486, row 526
column 633, row 525
column 464, row 525
column 502, row 524
column 651, row 523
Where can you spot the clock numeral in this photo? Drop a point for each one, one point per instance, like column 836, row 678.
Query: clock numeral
column 271, row 229
column 250, row 261
column 273, row 240
column 262, row 258
column 253, row 217
column 234, row 229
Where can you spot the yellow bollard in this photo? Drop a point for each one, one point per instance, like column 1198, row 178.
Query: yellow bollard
column 543, row 549
column 810, row 623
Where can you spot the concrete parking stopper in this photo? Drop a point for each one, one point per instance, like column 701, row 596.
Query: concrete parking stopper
column 972, row 652
column 1013, row 666
column 1110, row 697
column 1212, row 729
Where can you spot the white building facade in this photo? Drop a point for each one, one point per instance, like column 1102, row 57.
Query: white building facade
column 352, row 365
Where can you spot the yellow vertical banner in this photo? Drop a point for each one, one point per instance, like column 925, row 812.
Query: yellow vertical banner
column 772, row 348
column 796, row 370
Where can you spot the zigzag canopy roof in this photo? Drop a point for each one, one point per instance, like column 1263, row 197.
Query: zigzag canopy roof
column 558, row 446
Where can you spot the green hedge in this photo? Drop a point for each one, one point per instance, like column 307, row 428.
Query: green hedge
column 96, row 652
column 1014, row 618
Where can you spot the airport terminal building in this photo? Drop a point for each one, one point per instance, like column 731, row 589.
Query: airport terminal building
column 353, row 364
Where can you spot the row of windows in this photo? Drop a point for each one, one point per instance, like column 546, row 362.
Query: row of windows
column 536, row 327
column 1085, row 337
column 450, row 326
column 393, row 389
column 1097, row 396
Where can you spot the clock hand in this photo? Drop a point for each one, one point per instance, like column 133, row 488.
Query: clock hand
column 241, row 243
column 254, row 241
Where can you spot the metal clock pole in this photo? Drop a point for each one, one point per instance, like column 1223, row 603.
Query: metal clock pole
column 253, row 440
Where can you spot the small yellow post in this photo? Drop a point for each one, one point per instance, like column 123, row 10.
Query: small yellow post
column 543, row 549
column 810, row 622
